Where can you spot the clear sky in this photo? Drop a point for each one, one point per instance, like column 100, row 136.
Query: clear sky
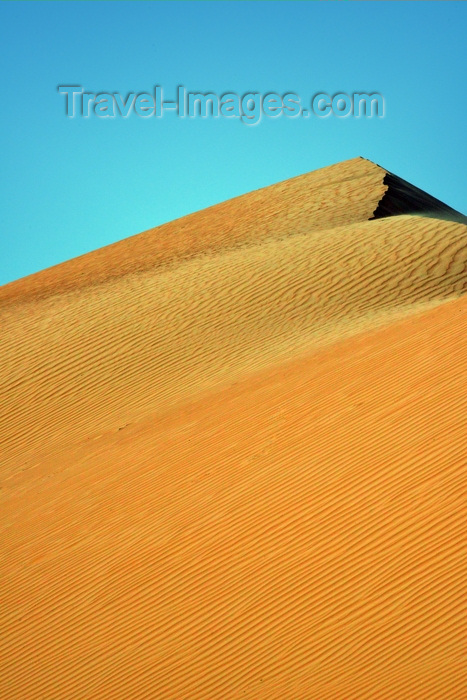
column 71, row 185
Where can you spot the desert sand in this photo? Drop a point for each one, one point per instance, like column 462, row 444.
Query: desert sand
column 233, row 454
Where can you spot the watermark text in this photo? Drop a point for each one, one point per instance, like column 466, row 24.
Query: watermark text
column 249, row 107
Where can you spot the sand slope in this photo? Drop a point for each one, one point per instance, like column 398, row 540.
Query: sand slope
column 233, row 451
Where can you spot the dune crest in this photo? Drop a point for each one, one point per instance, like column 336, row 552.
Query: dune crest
column 233, row 450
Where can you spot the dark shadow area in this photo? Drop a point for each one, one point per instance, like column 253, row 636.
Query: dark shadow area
column 403, row 198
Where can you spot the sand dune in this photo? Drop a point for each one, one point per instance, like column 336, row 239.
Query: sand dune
column 233, row 450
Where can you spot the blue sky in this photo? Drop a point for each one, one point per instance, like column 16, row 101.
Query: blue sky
column 69, row 186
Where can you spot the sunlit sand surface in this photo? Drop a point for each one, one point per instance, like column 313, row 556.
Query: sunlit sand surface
column 233, row 454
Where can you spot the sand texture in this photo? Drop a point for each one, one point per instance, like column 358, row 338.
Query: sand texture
column 233, row 454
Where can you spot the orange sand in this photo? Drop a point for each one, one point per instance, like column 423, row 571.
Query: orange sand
column 233, row 456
